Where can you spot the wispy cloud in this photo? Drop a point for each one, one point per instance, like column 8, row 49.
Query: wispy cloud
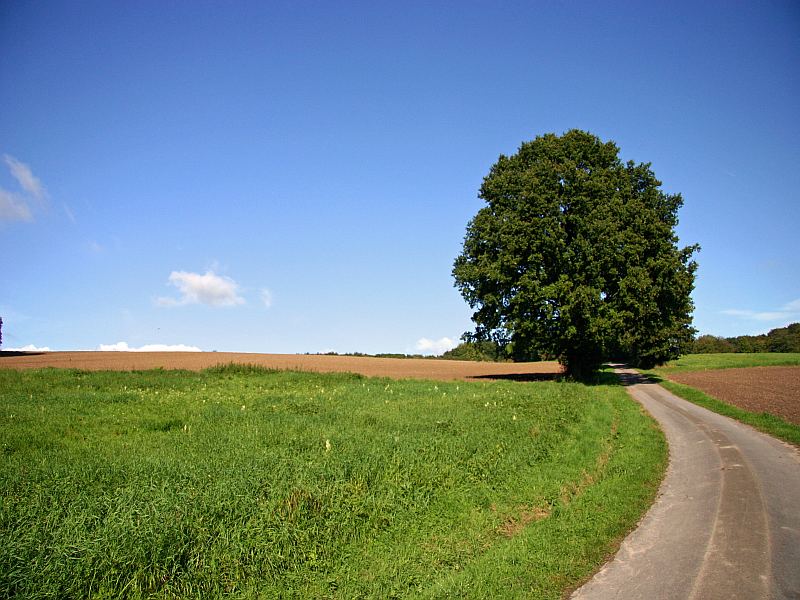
column 266, row 297
column 788, row 312
column 754, row 315
column 123, row 347
column 19, row 206
column 13, row 207
column 69, row 213
column 210, row 289
column 793, row 306
column 25, row 177
column 426, row 346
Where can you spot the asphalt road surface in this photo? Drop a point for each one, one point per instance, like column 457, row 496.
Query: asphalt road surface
column 726, row 523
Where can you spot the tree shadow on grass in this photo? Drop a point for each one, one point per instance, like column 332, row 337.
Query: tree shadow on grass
column 599, row 378
column 519, row 377
column 605, row 376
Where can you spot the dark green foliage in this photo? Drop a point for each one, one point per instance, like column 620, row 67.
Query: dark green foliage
column 785, row 339
column 1, row 331
column 486, row 351
column 575, row 257
column 782, row 339
column 711, row 344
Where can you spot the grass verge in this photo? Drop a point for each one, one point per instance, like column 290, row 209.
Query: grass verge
column 244, row 483
column 703, row 362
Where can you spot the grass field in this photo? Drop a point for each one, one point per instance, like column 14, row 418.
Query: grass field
column 702, row 362
column 238, row 482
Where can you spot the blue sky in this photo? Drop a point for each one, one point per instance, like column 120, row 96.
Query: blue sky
column 297, row 176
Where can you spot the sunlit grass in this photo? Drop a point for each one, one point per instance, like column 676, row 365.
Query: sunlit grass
column 240, row 482
column 702, row 362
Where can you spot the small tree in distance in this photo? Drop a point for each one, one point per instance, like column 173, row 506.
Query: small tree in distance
column 575, row 257
column 1, row 332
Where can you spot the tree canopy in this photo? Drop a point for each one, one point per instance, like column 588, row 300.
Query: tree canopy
column 575, row 257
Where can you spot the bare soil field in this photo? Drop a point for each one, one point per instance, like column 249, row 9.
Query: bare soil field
column 774, row 390
column 396, row 368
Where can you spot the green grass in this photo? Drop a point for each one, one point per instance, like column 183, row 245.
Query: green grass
column 703, row 362
column 243, row 483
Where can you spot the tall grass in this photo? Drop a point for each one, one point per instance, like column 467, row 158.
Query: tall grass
column 241, row 483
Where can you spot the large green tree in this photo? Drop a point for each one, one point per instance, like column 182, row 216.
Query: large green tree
column 575, row 257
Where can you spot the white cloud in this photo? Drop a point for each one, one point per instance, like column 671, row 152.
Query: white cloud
column 123, row 347
column 29, row 348
column 18, row 207
column 266, row 297
column 787, row 312
column 210, row 289
column 426, row 346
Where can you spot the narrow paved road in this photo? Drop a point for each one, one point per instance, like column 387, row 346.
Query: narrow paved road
column 726, row 523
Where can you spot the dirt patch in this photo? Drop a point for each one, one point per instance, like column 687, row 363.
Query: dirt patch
column 527, row 515
column 396, row 368
column 774, row 390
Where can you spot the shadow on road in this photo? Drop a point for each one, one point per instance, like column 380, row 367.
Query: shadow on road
column 634, row 378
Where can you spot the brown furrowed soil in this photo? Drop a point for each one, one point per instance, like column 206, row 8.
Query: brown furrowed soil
column 396, row 368
column 774, row 390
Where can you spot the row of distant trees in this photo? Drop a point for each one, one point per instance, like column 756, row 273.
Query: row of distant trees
column 783, row 339
column 479, row 351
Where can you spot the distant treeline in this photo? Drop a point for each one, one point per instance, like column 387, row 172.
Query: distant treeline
column 783, row 339
column 379, row 355
column 477, row 351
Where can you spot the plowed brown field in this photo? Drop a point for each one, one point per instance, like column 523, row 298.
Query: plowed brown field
column 396, row 368
column 774, row 390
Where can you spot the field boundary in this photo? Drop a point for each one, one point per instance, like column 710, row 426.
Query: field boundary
column 764, row 422
column 394, row 368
